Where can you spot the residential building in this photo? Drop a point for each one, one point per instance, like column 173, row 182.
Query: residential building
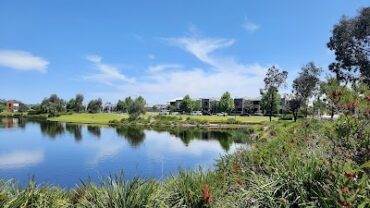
column 176, row 103
column 209, row 105
column 247, row 105
column 12, row 106
column 239, row 105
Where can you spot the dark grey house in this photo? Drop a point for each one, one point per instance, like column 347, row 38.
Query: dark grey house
column 209, row 105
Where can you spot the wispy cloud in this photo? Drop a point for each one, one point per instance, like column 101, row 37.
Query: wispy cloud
column 162, row 82
column 163, row 67
column 201, row 47
column 222, row 73
column 107, row 74
column 249, row 25
column 22, row 61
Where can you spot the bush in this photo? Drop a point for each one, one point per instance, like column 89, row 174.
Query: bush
column 232, row 121
column 114, row 121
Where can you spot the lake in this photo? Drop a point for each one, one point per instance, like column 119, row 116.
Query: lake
column 63, row 154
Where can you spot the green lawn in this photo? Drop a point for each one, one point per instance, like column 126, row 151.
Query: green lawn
column 95, row 118
column 104, row 118
column 222, row 119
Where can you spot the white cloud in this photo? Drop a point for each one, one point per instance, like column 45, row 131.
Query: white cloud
column 20, row 159
column 163, row 67
column 108, row 74
column 250, row 26
column 201, row 47
column 22, row 60
column 163, row 82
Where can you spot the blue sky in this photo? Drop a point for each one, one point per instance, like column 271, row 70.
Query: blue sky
column 159, row 49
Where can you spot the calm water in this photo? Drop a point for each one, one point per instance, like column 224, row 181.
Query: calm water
column 62, row 154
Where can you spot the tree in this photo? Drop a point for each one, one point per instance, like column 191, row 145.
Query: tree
column 71, row 105
column 52, row 105
column 186, row 104
column 136, row 108
column 95, row 106
column 332, row 91
column 306, row 83
column 79, row 103
column 197, row 105
column 23, row 107
column 350, row 42
column 319, row 107
column 294, row 105
column 2, row 107
column 270, row 101
column 248, row 107
column 273, row 81
column 172, row 108
column 226, row 103
column 121, row 106
column 76, row 104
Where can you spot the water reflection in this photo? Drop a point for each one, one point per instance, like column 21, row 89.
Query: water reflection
column 73, row 152
column 134, row 135
column 94, row 130
column 51, row 129
column 20, row 158
column 75, row 130
column 9, row 122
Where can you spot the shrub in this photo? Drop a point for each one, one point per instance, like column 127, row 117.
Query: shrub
column 232, row 121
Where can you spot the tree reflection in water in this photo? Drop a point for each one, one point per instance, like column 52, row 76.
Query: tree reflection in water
column 51, row 129
column 94, row 130
column 134, row 136
column 75, row 130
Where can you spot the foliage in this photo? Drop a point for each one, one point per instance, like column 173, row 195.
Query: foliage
column 197, row 105
column 226, row 103
column 273, row 81
column 332, row 91
column 2, row 107
column 95, row 106
column 294, row 105
column 52, row 105
column 136, row 108
column 186, row 104
column 351, row 43
column 76, row 105
column 270, row 101
column 306, row 83
column 319, row 107
column 122, row 105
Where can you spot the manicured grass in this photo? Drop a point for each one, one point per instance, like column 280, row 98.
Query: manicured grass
column 104, row 118
column 92, row 118
column 223, row 119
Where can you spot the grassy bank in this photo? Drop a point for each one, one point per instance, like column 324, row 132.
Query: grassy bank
column 89, row 118
column 155, row 119
column 303, row 164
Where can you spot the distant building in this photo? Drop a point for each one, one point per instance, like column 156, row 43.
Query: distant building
column 12, row 106
column 176, row 103
column 156, row 107
column 247, row 105
column 209, row 105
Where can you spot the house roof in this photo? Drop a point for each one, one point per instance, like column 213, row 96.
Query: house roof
column 176, row 99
